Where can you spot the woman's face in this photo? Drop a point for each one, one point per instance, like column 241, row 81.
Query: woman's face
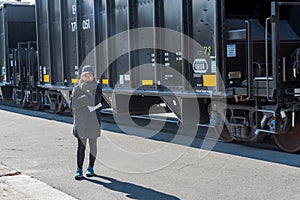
column 88, row 77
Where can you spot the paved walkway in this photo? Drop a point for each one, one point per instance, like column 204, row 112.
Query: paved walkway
column 135, row 165
column 16, row 186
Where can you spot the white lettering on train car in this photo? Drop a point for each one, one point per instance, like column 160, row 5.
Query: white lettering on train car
column 74, row 26
column 74, row 9
column 86, row 24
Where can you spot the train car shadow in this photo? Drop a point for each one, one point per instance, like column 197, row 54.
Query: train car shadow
column 208, row 141
column 40, row 114
column 205, row 140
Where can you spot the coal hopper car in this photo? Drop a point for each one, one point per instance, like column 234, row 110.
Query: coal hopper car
column 233, row 66
column 243, row 69
column 18, row 75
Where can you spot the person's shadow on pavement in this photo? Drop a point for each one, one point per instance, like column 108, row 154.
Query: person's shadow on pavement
column 132, row 191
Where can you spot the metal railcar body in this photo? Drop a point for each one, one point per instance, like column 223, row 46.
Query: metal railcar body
column 244, row 73
column 57, row 49
column 261, row 47
column 66, row 35
column 147, row 69
column 17, row 25
column 224, row 64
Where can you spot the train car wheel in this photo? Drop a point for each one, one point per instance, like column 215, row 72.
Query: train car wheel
column 221, row 127
column 37, row 106
column 62, row 108
column 56, row 109
column 23, row 103
column 37, row 102
column 225, row 134
column 289, row 142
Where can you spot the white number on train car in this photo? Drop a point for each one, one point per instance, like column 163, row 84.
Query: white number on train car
column 86, row 24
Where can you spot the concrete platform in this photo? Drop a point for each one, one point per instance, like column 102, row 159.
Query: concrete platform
column 15, row 186
column 135, row 166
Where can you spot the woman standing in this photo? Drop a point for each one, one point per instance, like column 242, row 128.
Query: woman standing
column 86, row 103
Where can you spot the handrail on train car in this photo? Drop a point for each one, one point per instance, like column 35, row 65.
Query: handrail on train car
column 267, row 57
column 249, row 40
column 289, row 3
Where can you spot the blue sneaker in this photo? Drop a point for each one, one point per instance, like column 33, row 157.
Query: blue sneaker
column 90, row 172
column 78, row 175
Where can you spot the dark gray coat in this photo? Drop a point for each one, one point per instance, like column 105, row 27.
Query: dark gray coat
column 86, row 124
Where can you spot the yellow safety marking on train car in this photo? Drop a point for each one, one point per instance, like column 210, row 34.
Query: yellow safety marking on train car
column 74, row 80
column 105, row 81
column 209, row 80
column 147, row 82
column 46, row 78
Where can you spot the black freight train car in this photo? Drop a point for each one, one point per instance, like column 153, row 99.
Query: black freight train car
column 155, row 48
column 57, row 47
column 243, row 69
column 261, row 46
column 17, row 25
column 66, row 34
column 225, row 64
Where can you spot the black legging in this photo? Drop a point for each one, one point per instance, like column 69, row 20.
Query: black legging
column 81, row 151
